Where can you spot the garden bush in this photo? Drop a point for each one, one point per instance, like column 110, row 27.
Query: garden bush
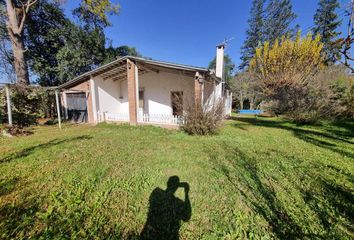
column 27, row 104
column 296, row 82
column 203, row 121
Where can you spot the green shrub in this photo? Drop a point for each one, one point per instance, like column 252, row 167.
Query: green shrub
column 27, row 104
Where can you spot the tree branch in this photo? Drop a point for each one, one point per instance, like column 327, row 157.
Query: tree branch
column 25, row 9
column 345, row 63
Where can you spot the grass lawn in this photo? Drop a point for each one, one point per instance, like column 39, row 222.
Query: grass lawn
column 258, row 178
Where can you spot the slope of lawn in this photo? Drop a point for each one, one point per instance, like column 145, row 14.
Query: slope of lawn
column 258, row 178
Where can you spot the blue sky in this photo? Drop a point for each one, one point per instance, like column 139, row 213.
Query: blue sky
column 187, row 31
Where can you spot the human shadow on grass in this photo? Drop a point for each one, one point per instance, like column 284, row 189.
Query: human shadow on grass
column 329, row 137
column 166, row 211
column 27, row 151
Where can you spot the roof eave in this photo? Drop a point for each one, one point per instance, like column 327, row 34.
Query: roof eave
column 90, row 73
column 147, row 61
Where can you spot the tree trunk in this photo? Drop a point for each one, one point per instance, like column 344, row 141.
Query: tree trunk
column 15, row 24
column 241, row 100
column 20, row 63
column 252, row 101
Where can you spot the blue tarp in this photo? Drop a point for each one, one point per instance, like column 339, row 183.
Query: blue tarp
column 251, row 112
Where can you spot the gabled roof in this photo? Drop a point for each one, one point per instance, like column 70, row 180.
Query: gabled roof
column 83, row 77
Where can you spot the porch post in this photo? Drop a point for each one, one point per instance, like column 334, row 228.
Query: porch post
column 58, row 107
column 65, row 105
column 198, row 88
column 8, row 100
column 93, row 100
column 132, row 92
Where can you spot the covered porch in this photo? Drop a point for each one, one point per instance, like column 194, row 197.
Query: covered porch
column 140, row 91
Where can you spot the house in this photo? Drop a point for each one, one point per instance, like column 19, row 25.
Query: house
column 137, row 90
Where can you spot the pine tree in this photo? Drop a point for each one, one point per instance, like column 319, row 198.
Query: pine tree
column 254, row 33
column 279, row 18
column 326, row 24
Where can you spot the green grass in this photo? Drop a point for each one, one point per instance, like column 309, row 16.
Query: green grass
column 258, row 178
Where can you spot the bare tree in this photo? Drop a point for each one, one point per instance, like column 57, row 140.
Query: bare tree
column 346, row 43
column 17, row 12
column 245, row 87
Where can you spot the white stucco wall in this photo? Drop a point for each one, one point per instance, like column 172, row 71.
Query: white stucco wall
column 124, row 104
column 228, row 103
column 212, row 94
column 209, row 94
column 158, row 87
column 112, row 96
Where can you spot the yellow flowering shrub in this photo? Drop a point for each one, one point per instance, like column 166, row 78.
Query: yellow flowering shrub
column 288, row 61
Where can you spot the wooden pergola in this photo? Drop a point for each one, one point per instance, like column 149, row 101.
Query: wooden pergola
column 118, row 73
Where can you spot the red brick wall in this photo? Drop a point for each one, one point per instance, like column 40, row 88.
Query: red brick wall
column 132, row 93
column 197, row 92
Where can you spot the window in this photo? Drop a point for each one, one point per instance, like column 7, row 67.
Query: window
column 177, row 103
column 141, row 99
